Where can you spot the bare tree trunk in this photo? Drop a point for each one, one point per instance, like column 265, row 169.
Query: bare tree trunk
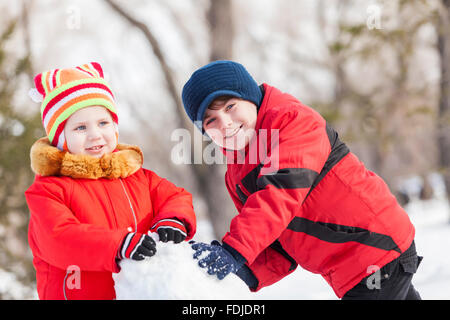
column 444, row 101
column 220, row 21
column 221, row 29
column 26, row 8
column 168, row 74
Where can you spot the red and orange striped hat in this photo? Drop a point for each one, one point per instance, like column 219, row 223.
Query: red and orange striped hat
column 64, row 91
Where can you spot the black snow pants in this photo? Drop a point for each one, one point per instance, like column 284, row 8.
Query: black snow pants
column 391, row 282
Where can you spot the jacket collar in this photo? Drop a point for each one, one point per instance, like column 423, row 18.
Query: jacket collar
column 47, row 160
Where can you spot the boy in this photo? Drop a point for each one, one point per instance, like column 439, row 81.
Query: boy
column 307, row 200
column 92, row 204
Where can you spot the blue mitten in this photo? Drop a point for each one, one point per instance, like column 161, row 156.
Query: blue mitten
column 220, row 259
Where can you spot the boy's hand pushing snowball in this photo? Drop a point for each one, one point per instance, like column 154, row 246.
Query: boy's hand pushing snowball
column 221, row 259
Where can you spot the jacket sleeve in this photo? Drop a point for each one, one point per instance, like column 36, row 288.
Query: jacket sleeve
column 57, row 236
column 299, row 147
column 170, row 201
column 269, row 267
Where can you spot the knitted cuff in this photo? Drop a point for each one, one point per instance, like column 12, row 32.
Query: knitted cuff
column 246, row 275
column 240, row 260
column 129, row 245
column 174, row 224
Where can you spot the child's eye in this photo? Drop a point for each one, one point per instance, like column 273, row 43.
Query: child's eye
column 80, row 128
column 104, row 123
column 229, row 107
column 209, row 121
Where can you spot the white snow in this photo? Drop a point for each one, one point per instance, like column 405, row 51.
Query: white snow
column 432, row 221
column 11, row 288
column 173, row 274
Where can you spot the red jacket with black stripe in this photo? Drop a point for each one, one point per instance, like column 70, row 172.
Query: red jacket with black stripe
column 304, row 199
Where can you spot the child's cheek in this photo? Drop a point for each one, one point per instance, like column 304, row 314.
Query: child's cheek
column 216, row 136
column 218, row 140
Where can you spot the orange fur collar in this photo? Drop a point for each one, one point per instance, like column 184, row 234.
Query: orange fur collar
column 47, row 160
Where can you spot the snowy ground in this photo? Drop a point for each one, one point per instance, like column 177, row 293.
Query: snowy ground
column 431, row 219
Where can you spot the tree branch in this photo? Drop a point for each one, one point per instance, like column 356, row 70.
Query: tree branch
column 168, row 74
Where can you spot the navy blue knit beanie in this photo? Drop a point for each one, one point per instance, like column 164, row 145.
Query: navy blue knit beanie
column 217, row 79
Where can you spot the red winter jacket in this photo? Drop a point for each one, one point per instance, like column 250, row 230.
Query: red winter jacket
column 310, row 202
column 77, row 225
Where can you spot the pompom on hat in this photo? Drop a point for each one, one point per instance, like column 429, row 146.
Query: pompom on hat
column 62, row 92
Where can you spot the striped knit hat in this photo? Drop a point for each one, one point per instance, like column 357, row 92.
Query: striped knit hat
column 64, row 91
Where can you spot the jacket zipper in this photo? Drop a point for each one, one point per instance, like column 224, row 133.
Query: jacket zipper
column 64, row 285
column 131, row 206
column 241, row 193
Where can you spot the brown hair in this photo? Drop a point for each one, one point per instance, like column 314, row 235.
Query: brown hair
column 218, row 102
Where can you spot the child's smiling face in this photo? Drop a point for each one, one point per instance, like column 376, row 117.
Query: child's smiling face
column 230, row 122
column 90, row 131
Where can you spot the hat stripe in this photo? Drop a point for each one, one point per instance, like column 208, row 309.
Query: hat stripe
column 61, row 139
column 50, row 79
column 51, row 110
column 43, row 81
column 59, row 136
column 84, row 70
column 97, row 67
column 47, row 81
column 76, row 99
column 92, row 69
column 54, row 78
column 66, row 89
column 38, row 84
column 72, row 104
column 58, row 78
column 95, row 100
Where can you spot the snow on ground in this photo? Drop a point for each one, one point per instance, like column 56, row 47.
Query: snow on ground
column 173, row 274
column 11, row 288
column 432, row 221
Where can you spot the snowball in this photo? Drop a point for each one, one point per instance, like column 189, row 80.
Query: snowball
column 172, row 273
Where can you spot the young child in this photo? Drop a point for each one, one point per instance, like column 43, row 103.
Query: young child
column 92, row 204
column 306, row 200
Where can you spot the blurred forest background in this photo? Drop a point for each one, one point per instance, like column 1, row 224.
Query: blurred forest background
column 378, row 71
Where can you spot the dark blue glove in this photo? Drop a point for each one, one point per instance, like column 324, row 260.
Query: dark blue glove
column 221, row 259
